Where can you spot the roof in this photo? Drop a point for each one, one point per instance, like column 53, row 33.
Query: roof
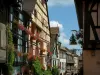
column 74, row 53
column 54, row 30
column 79, row 11
column 63, row 48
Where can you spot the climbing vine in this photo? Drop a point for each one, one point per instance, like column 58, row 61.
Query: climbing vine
column 10, row 51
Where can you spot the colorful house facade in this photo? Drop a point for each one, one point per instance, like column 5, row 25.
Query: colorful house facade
column 29, row 25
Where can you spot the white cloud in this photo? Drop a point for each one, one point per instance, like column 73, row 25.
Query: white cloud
column 56, row 24
column 60, row 2
column 63, row 39
column 63, row 36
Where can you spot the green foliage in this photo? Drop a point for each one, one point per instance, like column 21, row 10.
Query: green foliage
column 37, row 67
column 10, row 51
column 47, row 72
column 55, row 71
column 80, row 42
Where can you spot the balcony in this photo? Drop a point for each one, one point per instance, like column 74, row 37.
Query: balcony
column 70, row 62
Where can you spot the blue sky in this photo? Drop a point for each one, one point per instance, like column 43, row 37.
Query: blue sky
column 62, row 13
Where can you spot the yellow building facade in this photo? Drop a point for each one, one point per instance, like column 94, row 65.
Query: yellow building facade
column 40, row 28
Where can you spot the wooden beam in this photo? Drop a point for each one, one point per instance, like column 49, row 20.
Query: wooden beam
column 86, row 26
column 93, row 26
column 93, row 4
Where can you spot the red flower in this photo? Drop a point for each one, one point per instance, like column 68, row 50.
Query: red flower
column 48, row 50
column 37, row 35
column 21, row 27
column 34, row 57
column 50, row 53
column 28, row 32
column 30, row 57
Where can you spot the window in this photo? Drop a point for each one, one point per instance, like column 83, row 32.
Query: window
column 20, row 38
column 64, row 55
column 2, row 36
column 42, row 21
column 35, row 13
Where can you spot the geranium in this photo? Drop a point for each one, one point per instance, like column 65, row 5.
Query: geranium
column 33, row 37
column 48, row 50
column 28, row 31
column 34, row 57
column 37, row 34
column 30, row 57
column 50, row 53
column 21, row 27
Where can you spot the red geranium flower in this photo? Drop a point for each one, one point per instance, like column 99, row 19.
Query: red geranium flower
column 21, row 27
column 28, row 31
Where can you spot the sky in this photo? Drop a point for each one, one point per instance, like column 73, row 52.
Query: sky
column 62, row 13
